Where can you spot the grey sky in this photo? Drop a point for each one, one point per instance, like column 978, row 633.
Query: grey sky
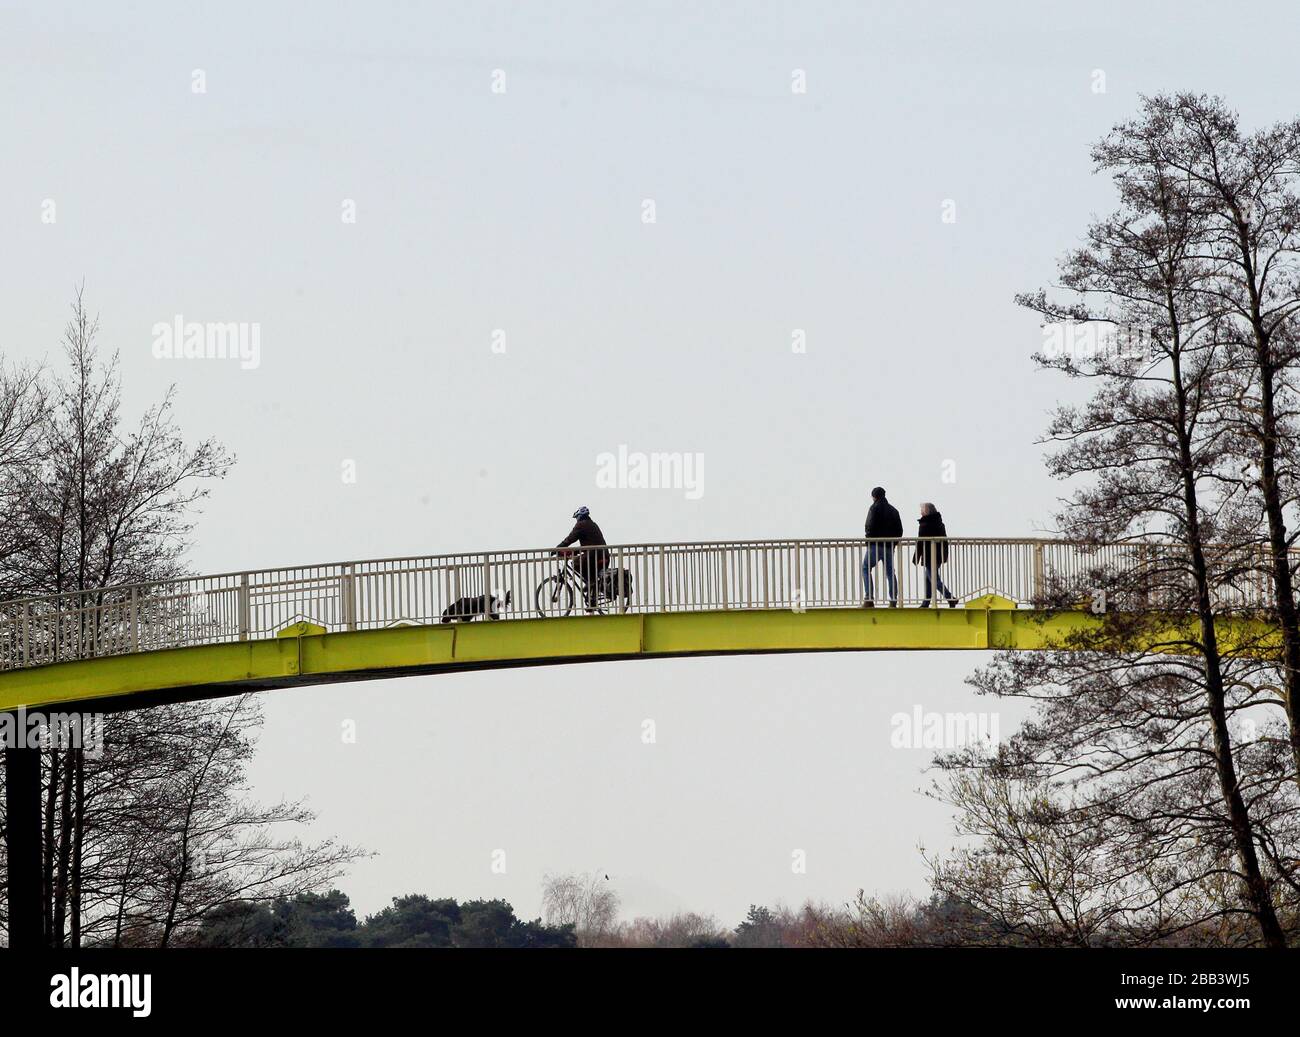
column 522, row 211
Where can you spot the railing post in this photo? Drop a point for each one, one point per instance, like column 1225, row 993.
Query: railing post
column 900, row 574
column 487, row 586
column 26, row 630
column 85, row 630
column 798, row 575
column 347, row 589
column 1144, row 575
column 1263, row 582
column 244, row 608
column 134, row 618
column 767, row 585
column 726, row 598
column 1039, row 583
column 663, row 581
column 618, row 580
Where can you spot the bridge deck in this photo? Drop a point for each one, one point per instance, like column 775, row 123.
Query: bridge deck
column 309, row 656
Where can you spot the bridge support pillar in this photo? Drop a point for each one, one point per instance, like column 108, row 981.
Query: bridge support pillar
column 23, row 846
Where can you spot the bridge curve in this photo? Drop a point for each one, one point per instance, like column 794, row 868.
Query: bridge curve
column 130, row 646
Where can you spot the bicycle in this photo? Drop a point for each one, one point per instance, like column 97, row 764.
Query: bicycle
column 557, row 595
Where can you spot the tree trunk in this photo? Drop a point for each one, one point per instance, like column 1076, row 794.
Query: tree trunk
column 1243, row 837
column 47, row 877
column 65, row 850
column 1279, row 555
column 23, row 846
column 78, row 828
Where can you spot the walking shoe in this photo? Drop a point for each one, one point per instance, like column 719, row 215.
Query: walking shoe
column 867, row 603
column 952, row 602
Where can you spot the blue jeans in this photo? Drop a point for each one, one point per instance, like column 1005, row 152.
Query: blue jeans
column 880, row 553
column 932, row 578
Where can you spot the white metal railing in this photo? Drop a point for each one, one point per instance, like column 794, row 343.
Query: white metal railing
column 758, row 574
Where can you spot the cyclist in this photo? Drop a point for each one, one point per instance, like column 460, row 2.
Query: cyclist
column 587, row 564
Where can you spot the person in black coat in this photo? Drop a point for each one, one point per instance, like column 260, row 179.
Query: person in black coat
column 587, row 564
column 883, row 523
column 932, row 552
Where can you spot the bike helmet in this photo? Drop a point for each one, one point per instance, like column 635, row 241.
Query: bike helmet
column 581, row 513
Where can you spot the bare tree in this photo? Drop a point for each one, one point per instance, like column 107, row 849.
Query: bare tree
column 585, row 901
column 208, row 845
column 1153, row 445
column 141, row 840
column 1244, row 186
column 112, row 504
column 22, row 411
column 680, row 929
column 1133, row 718
column 1044, row 871
column 109, row 505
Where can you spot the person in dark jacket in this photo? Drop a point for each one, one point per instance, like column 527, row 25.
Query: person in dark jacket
column 883, row 524
column 587, row 564
column 932, row 552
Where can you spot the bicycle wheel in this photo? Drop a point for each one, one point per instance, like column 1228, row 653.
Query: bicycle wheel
column 554, row 597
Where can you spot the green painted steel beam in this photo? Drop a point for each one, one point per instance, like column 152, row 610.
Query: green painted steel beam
column 307, row 656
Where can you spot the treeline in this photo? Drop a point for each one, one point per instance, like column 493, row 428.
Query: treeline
column 589, row 905
column 327, row 920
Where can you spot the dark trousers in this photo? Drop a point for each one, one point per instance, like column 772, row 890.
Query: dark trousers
column 588, row 565
column 932, row 578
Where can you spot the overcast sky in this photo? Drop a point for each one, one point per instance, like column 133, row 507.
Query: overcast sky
column 199, row 159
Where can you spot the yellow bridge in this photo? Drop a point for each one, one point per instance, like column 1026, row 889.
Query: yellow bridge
column 123, row 647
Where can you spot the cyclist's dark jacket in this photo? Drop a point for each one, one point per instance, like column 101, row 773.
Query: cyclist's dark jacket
column 883, row 521
column 588, row 534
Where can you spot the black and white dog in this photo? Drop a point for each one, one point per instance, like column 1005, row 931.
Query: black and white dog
column 473, row 608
